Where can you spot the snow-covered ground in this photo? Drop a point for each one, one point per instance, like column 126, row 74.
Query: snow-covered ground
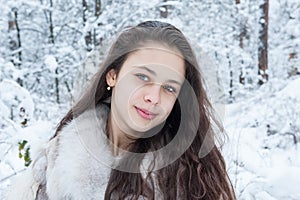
column 262, row 153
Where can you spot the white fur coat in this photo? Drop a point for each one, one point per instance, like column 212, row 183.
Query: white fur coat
column 74, row 165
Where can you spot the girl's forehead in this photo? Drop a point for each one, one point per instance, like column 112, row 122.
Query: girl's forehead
column 157, row 57
column 159, row 48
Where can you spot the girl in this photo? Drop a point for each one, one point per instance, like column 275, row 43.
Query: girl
column 142, row 130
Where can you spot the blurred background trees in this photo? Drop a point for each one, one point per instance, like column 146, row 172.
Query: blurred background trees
column 50, row 47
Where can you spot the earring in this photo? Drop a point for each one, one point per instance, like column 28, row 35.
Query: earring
column 108, row 88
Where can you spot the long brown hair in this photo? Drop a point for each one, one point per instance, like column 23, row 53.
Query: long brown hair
column 190, row 176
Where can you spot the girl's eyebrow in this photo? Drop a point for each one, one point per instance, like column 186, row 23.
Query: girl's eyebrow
column 155, row 74
column 147, row 69
column 173, row 81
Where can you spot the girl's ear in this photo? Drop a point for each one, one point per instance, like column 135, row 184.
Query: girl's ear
column 111, row 78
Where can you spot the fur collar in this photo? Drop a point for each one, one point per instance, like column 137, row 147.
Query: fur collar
column 79, row 161
column 76, row 164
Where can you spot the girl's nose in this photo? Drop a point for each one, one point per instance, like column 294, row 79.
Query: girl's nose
column 152, row 95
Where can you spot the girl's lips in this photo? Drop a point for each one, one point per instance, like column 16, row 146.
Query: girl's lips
column 145, row 113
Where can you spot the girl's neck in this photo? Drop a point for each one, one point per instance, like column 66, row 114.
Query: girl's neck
column 119, row 140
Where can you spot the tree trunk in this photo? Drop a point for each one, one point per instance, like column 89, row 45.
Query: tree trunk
column 51, row 37
column 163, row 10
column 84, row 11
column 97, row 8
column 97, row 14
column 18, row 37
column 88, row 36
column 57, row 85
column 52, row 41
column 241, row 44
column 15, row 41
column 263, row 47
column 230, row 77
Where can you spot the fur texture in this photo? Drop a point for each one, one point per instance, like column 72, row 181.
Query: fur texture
column 74, row 165
column 81, row 168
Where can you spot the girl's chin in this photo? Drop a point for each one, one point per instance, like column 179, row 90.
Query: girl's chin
column 142, row 128
column 146, row 130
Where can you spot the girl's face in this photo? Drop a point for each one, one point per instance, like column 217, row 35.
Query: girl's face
column 146, row 88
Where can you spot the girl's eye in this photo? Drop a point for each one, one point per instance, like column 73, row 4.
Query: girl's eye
column 169, row 88
column 143, row 77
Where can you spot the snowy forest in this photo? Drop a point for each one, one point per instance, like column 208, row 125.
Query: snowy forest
column 248, row 52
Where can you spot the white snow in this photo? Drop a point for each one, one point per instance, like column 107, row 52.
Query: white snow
column 264, row 166
column 50, row 62
column 292, row 90
column 13, row 95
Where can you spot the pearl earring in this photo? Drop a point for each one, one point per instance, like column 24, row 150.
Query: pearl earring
column 108, row 88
